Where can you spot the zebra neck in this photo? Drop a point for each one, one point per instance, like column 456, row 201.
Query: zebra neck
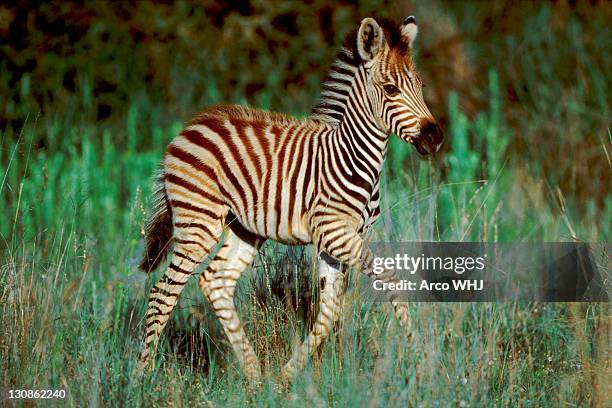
column 336, row 88
column 361, row 146
column 343, row 100
column 358, row 142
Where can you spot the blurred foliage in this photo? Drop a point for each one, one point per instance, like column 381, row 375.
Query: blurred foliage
column 523, row 88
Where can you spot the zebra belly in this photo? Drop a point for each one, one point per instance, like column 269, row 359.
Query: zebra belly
column 276, row 225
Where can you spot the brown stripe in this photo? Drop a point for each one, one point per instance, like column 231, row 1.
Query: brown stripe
column 192, row 161
column 241, row 127
column 154, row 310
column 310, row 159
column 266, row 181
column 293, row 170
column 191, row 207
column 240, row 162
column 178, row 269
column 217, row 126
column 152, row 322
column 196, row 225
column 187, row 258
column 174, row 179
column 189, row 242
column 164, row 292
column 162, row 301
column 342, row 254
column 281, row 153
column 150, row 333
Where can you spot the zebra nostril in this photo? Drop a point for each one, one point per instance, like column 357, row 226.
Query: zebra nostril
column 426, row 134
column 431, row 137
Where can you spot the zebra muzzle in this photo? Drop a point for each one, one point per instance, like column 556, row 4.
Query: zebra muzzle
column 430, row 140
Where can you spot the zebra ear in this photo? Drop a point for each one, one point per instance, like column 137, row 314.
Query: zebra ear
column 410, row 29
column 369, row 39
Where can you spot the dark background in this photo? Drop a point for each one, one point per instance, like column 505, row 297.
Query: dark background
column 88, row 63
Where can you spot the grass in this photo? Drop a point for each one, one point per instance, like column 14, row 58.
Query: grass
column 73, row 303
column 75, row 188
column 64, row 328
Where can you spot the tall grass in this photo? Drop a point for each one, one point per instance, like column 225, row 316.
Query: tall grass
column 73, row 302
column 65, row 327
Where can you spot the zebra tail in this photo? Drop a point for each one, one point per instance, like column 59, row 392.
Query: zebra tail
column 159, row 228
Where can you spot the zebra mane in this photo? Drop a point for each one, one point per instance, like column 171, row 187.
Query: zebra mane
column 336, row 87
column 249, row 114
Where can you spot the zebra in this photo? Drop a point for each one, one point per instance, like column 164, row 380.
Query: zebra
column 237, row 176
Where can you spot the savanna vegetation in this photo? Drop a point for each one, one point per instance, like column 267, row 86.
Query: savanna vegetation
column 91, row 94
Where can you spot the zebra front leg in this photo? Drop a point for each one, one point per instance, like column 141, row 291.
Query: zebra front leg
column 351, row 249
column 332, row 287
column 400, row 308
column 370, row 215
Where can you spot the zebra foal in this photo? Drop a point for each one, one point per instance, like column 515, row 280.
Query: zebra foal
column 239, row 176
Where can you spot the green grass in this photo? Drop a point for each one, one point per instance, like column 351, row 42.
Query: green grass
column 73, row 302
column 71, row 322
column 75, row 190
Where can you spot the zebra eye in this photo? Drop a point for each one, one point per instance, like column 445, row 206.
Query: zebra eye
column 391, row 90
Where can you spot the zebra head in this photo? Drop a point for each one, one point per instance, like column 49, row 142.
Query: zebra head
column 393, row 85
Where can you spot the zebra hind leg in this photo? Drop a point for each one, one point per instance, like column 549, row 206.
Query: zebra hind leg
column 191, row 247
column 332, row 284
column 218, row 284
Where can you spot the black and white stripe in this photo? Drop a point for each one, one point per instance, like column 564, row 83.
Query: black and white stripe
column 241, row 176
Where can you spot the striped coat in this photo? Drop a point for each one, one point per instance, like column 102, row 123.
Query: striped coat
column 239, row 176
